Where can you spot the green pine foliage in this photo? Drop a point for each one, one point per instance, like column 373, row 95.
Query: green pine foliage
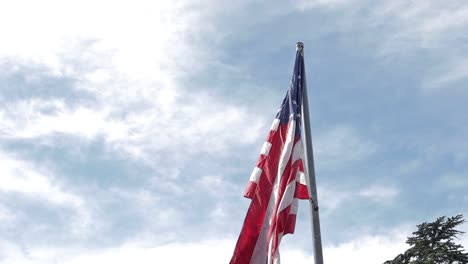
column 433, row 243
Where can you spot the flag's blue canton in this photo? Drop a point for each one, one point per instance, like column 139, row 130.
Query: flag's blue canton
column 292, row 102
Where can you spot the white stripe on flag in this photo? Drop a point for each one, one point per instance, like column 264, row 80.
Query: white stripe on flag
column 294, row 206
column 255, row 176
column 265, row 148
column 275, row 124
column 301, row 178
column 298, row 151
column 276, row 259
column 288, row 196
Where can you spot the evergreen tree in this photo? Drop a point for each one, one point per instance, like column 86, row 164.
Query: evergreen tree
column 433, row 243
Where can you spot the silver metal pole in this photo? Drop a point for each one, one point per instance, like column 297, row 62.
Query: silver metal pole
column 310, row 169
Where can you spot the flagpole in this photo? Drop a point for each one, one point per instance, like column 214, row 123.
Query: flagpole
column 310, row 169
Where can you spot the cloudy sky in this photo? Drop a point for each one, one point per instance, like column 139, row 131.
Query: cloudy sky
column 128, row 129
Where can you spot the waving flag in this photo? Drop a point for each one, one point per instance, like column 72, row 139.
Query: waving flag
column 277, row 182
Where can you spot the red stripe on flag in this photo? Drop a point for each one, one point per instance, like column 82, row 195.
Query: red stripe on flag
column 250, row 190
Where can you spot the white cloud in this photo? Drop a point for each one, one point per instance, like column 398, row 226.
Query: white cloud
column 364, row 249
column 38, row 117
column 438, row 28
column 368, row 249
column 23, row 178
column 453, row 180
column 130, row 67
column 142, row 198
column 213, row 184
column 452, row 72
column 6, row 215
column 341, row 145
column 20, row 177
column 203, row 252
column 45, row 32
column 399, row 30
column 194, row 125
column 307, row 4
column 332, row 198
column 416, row 25
column 379, row 192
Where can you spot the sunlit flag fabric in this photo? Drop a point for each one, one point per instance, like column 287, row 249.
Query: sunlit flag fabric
column 276, row 183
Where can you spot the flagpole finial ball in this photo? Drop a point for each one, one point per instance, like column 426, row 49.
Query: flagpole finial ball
column 299, row 46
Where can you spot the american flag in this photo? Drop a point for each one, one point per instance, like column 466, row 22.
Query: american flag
column 277, row 182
